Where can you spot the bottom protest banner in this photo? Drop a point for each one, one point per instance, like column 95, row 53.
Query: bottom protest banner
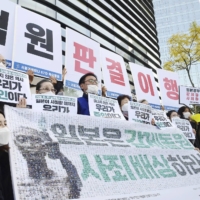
column 58, row 156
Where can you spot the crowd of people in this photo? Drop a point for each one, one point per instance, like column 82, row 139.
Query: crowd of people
column 89, row 85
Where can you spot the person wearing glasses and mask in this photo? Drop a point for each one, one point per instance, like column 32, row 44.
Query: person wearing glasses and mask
column 2, row 61
column 89, row 85
column 45, row 87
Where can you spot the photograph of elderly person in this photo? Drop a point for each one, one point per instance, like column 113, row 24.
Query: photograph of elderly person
column 36, row 146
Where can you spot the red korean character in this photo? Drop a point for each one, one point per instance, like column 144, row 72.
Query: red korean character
column 171, row 85
column 188, row 98
column 84, row 54
column 192, row 94
column 188, row 94
column 192, row 98
column 197, row 94
column 116, row 75
column 197, row 99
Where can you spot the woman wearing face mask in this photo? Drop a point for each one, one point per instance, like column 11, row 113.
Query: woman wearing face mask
column 172, row 114
column 185, row 113
column 123, row 104
column 45, row 87
column 6, row 192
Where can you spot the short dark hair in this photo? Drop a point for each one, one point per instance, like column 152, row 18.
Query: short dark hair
column 181, row 110
column 122, row 97
column 82, row 79
column 38, row 86
column 142, row 101
column 170, row 112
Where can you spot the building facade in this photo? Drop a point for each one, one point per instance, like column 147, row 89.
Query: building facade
column 124, row 27
column 175, row 16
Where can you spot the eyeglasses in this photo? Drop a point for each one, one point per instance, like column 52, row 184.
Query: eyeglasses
column 48, row 90
column 92, row 81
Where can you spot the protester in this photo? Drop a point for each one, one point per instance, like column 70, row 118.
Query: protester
column 172, row 114
column 88, row 84
column 123, row 104
column 6, row 192
column 185, row 113
column 45, row 86
column 144, row 101
column 104, row 90
column 2, row 61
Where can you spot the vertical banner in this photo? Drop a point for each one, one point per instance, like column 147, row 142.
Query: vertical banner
column 104, row 107
column 189, row 95
column 140, row 113
column 13, row 86
column 145, row 85
column 168, row 82
column 114, row 74
column 82, row 56
column 7, row 21
column 37, row 44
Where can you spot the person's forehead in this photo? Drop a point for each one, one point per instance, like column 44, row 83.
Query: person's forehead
column 2, row 118
column 90, row 77
column 1, row 57
column 47, row 84
column 125, row 99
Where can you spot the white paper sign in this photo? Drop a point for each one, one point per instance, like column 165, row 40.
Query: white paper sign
column 139, row 112
column 168, row 82
column 145, row 85
column 13, row 86
column 185, row 126
column 37, row 45
column 62, row 104
column 189, row 95
column 161, row 119
column 104, row 107
column 7, row 21
column 82, row 56
column 115, row 74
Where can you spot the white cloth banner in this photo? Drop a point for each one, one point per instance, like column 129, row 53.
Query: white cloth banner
column 168, row 82
column 7, row 21
column 83, row 56
column 140, row 112
column 37, row 44
column 189, row 95
column 161, row 119
column 114, row 74
column 185, row 126
column 104, row 107
column 145, row 85
column 58, row 156
column 13, row 86
column 62, row 104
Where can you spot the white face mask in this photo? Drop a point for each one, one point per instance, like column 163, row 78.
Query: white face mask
column 60, row 93
column 4, row 136
column 186, row 115
column 125, row 107
column 49, row 93
column 2, row 65
column 92, row 89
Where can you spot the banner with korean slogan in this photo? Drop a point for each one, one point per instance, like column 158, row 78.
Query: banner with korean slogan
column 168, row 82
column 185, row 126
column 145, row 85
column 83, row 56
column 140, row 112
column 58, row 156
column 104, row 107
column 161, row 119
column 62, row 104
column 7, row 21
column 37, row 44
column 13, row 86
column 189, row 95
column 114, row 74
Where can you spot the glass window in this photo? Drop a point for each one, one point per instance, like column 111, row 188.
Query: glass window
column 79, row 4
column 73, row 24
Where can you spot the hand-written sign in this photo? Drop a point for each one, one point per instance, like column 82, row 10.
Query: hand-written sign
column 58, row 156
column 161, row 119
column 13, row 86
column 139, row 112
column 185, row 126
column 104, row 107
column 63, row 104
